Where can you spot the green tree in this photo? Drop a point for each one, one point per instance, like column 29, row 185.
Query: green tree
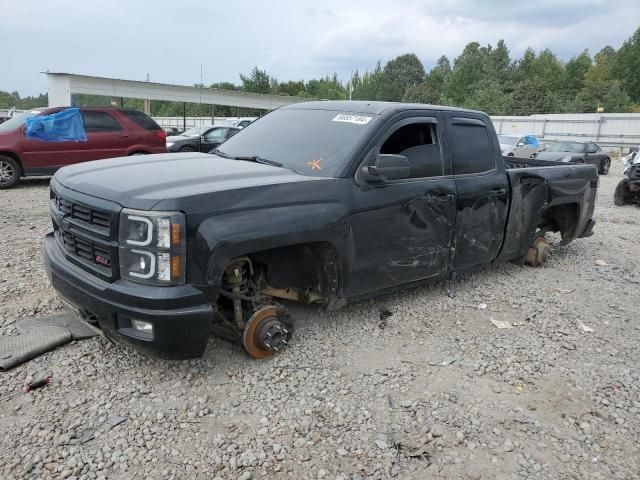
column 600, row 88
column 530, row 96
column 422, row 93
column 438, row 77
column 468, row 70
column 626, row 67
column 400, row 74
column 369, row 86
column 488, row 96
column 257, row 81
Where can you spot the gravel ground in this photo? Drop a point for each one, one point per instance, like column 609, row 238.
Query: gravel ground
column 434, row 391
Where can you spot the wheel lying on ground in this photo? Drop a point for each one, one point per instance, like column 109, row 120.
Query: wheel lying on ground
column 538, row 252
column 10, row 172
column 603, row 169
column 621, row 196
column 267, row 332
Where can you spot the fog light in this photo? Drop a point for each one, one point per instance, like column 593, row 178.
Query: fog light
column 142, row 326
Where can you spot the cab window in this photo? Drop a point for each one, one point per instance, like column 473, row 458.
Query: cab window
column 419, row 143
column 471, row 148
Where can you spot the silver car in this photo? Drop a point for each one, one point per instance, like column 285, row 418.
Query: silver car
column 522, row 146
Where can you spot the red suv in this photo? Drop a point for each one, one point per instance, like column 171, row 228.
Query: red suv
column 111, row 132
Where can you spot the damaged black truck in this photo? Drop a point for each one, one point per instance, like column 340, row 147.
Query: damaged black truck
column 323, row 203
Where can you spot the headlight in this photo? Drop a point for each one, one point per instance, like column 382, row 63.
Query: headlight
column 152, row 247
column 566, row 158
column 170, row 144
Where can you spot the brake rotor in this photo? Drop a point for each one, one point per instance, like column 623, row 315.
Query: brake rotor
column 267, row 331
column 538, row 252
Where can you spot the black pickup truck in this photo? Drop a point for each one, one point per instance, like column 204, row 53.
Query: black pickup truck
column 321, row 202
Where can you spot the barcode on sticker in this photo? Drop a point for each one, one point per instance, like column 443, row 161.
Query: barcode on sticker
column 358, row 119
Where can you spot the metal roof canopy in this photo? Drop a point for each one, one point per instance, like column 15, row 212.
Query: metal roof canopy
column 61, row 86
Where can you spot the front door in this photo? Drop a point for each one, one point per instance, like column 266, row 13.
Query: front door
column 402, row 229
column 482, row 191
column 212, row 138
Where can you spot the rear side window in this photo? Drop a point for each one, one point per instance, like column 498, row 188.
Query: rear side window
column 100, row 122
column 471, row 148
column 142, row 119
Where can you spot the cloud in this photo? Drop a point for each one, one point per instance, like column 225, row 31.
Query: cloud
column 291, row 40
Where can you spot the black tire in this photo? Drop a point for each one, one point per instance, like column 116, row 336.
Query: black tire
column 621, row 196
column 10, row 172
column 603, row 169
column 187, row 149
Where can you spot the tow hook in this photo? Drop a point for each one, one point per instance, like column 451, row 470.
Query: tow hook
column 267, row 331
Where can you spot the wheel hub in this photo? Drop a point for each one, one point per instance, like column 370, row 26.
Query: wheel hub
column 267, row 331
column 538, row 252
column 6, row 172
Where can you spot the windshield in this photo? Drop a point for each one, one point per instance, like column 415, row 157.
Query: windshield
column 195, row 131
column 17, row 121
column 573, row 147
column 310, row 142
column 507, row 139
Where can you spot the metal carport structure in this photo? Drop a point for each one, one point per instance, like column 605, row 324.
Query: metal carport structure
column 61, row 87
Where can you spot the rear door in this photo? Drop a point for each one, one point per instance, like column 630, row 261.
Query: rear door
column 482, row 190
column 106, row 136
column 212, row 138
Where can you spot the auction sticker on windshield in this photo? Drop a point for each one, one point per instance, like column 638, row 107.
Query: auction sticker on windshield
column 357, row 119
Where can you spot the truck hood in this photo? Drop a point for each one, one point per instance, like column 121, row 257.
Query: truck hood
column 143, row 181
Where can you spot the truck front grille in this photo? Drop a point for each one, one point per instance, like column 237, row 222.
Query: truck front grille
column 87, row 235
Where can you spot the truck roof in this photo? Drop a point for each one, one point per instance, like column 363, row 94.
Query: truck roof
column 370, row 107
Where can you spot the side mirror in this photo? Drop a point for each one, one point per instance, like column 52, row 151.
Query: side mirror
column 592, row 150
column 520, row 144
column 387, row 167
column 202, row 140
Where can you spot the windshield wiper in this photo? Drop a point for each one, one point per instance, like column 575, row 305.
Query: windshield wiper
column 258, row 159
column 248, row 158
column 220, row 153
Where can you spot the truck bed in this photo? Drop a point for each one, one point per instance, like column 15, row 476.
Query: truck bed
column 564, row 191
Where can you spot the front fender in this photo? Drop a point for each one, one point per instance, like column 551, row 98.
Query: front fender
column 221, row 238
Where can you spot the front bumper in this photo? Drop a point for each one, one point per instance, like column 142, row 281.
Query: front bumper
column 181, row 316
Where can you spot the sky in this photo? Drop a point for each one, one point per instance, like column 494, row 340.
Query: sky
column 291, row 40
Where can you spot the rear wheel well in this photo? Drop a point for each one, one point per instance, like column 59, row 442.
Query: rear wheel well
column 560, row 218
column 14, row 157
column 139, row 152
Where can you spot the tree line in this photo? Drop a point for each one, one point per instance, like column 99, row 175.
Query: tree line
column 482, row 77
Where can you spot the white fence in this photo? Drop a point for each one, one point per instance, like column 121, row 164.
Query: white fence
column 606, row 129
column 188, row 122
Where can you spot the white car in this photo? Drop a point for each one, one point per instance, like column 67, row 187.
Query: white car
column 522, row 146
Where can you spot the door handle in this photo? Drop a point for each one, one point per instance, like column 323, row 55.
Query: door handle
column 440, row 196
column 497, row 191
column 123, row 136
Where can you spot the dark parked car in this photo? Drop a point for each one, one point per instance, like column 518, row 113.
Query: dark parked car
column 577, row 152
column 111, row 132
column 319, row 202
column 200, row 139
